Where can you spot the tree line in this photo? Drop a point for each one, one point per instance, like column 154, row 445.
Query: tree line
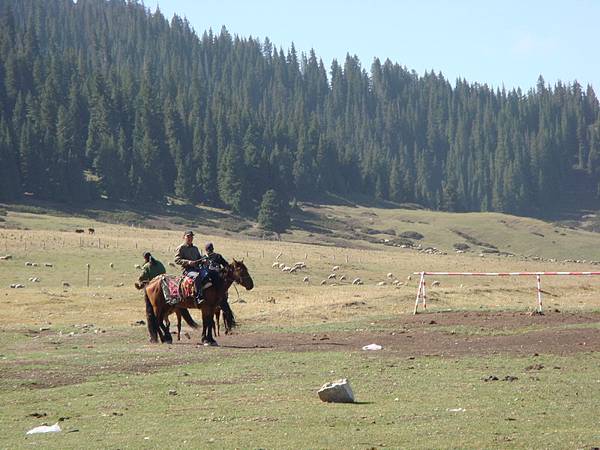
column 106, row 98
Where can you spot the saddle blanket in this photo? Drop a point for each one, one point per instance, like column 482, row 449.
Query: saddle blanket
column 178, row 288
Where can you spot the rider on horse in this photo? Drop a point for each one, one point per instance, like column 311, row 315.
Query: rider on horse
column 217, row 262
column 189, row 258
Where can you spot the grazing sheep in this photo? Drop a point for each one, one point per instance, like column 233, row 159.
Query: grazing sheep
column 111, row 265
column 137, row 266
column 293, row 269
column 305, row 280
column 300, row 264
column 335, row 268
column 357, row 281
column 279, row 255
column 323, row 283
column 34, row 264
column 331, row 275
column 7, row 257
column 17, row 286
column 65, row 284
column 275, row 264
column 408, row 278
column 281, row 265
column 343, row 277
column 390, row 275
column 381, row 283
column 28, row 263
column 286, row 269
column 48, row 265
column 435, row 283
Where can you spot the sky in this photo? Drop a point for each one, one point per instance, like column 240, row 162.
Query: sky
column 500, row 43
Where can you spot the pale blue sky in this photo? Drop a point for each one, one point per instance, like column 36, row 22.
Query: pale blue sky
column 502, row 42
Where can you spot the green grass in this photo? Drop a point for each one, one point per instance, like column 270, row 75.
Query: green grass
column 113, row 388
column 254, row 399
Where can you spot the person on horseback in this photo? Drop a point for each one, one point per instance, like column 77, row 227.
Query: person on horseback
column 217, row 262
column 191, row 261
column 152, row 268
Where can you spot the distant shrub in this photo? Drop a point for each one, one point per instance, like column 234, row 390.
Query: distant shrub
column 411, row 235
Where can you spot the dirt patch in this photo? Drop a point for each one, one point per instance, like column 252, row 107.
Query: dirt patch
column 427, row 334
column 422, row 335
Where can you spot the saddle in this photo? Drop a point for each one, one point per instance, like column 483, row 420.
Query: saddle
column 177, row 288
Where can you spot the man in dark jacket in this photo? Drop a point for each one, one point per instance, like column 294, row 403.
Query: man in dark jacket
column 217, row 262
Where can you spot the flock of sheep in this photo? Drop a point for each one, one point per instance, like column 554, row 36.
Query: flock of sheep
column 335, row 276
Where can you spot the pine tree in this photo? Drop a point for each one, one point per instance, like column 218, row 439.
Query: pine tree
column 273, row 214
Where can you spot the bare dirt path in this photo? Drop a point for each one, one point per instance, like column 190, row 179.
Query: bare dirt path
column 443, row 334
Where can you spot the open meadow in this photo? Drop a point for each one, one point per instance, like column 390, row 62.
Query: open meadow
column 476, row 370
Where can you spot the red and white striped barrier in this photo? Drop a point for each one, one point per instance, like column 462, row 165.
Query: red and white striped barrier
column 422, row 296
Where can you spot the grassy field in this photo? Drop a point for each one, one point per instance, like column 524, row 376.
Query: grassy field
column 76, row 352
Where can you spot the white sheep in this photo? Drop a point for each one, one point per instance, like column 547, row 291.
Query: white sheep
column 343, row 277
column 34, row 264
column 281, row 265
column 300, row 264
column 408, row 278
column 279, row 255
column 323, row 283
column 381, row 283
column 293, row 269
column 390, row 275
column 357, row 281
column 111, row 265
column 335, row 268
column 275, row 264
column 331, row 275
column 305, row 280
column 435, row 283
column 286, row 269
column 28, row 263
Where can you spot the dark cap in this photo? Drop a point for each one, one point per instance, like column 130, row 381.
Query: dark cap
column 209, row 247
column 188, row 233
column 147, row 255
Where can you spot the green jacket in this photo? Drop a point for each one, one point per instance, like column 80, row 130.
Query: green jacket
column 150, row 270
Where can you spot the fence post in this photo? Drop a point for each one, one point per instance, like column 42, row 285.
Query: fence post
column 539, row 293
column 88, row 274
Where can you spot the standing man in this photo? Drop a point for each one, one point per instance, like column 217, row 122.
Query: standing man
column 152, row 268
column 189, row 258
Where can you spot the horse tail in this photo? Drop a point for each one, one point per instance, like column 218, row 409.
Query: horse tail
column 151, row 318
column 228, row 316
column 188, row 318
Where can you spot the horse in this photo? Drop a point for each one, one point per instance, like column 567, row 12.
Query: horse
column 157, row 310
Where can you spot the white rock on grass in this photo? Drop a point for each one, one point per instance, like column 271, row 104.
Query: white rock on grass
column 336, row 392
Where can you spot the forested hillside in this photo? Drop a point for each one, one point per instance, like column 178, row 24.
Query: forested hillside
column 106, row 98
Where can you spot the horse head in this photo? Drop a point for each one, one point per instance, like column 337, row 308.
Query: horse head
column 240, row 274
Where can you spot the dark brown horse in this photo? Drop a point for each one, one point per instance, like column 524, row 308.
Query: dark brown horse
column 157, row 309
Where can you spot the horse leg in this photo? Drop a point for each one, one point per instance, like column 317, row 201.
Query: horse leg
column 164, row 325
column 207, row 324
column 178, row 313
column 151, row 319
column 216, row 323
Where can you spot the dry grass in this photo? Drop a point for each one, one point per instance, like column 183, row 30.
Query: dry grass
column 279, row 298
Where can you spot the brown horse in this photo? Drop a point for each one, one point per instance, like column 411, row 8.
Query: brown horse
column 157, row 309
